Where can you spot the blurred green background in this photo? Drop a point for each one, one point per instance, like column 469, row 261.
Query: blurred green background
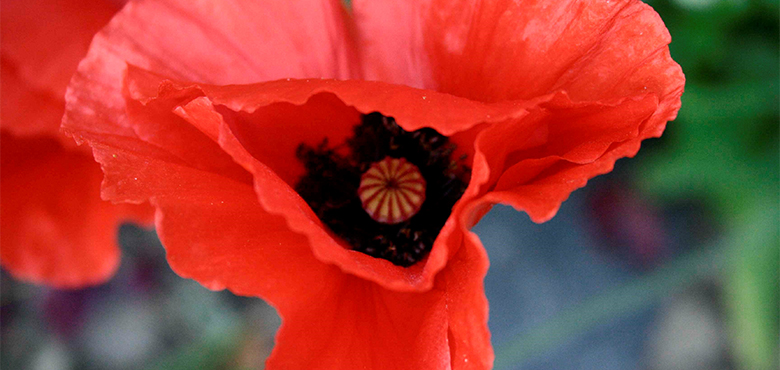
column 723, row 149
column 669, row 262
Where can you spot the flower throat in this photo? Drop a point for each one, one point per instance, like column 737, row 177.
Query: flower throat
column 413, row 171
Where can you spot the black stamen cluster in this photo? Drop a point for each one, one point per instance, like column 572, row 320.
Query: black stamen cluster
column 332, row 178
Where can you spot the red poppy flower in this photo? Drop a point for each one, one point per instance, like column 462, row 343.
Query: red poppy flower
column 538, row 96
column 55, row 228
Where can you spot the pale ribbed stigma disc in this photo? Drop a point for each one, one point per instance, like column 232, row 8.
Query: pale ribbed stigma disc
column 392, row 190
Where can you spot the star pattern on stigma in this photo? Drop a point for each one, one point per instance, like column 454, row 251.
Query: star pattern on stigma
column 392, row 190
column 331, row 185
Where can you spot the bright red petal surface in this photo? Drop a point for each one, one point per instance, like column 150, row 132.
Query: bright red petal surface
column 505, row 50
column 224, row 42
column 559, row 146
column 55, row 228
column 467, row 306
column 43, row 40
column 392, row 42
column 41, row 43
column 25, row 111
column 261, row 125
column 335, row 303
column 356, row 324
column 592, row 50
column 216, row 232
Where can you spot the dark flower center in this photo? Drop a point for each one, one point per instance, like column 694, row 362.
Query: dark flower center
column 402, row 227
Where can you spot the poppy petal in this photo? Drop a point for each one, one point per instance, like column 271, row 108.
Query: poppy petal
column 153, row 121
column 216, row 42
column 467, row 305
column 356, row 324
column 43, row 40
column 505, row 50
column 42, row 44
column 560, row 145
column 278, row 197
column 233, row 231
column 216, row 232
column 56, row 230
column 392, row 43
column 245, row 119
column 25, row 111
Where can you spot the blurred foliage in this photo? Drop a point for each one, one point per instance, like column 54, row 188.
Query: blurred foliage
column 723, row 150
column 724, row 144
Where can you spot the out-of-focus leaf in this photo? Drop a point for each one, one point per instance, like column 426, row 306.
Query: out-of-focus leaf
column 212, row 353
column 708, row 154
column 723, row 149
column 724, row 144
column 752, row 288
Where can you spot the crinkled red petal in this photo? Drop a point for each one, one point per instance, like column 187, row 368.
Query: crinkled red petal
column 467, row 305
column 356, row 324
column 56, row 230
column 42, row 43
column 506, row 50
column 221, row 42
column 261, row 125
column 217, row 231
column 43, row 40
column 561, row 145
